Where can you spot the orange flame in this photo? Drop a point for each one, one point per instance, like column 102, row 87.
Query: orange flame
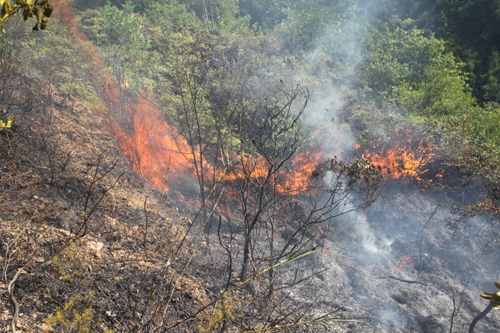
column 303, row 167
column 149, row 144
column 405, row 159
column 146, row 139
column 291, row 180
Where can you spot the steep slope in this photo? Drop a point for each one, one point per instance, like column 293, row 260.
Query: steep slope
column 76, row 219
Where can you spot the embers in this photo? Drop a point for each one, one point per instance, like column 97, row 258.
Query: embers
column 405, row 263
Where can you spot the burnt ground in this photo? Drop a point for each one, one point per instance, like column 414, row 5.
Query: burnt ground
column 409, row 272
column 56, row 162
column 59, row 161
column 393, row 268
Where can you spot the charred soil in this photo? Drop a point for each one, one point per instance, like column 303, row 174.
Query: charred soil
column 78, row 221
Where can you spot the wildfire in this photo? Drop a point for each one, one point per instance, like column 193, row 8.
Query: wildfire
column 292, row 179
column 146, row 139
column 404, row 262
column 149, row 144
column 152, row 147
column 303, row 167
column 404, row 159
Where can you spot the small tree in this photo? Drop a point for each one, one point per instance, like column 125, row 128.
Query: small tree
column 263, row 172
column 209, row 93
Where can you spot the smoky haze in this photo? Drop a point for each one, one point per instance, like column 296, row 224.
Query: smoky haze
column 404, row 264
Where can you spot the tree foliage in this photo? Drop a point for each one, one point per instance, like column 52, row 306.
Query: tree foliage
column 406, row 66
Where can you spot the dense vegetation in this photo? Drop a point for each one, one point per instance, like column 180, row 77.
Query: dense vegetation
column 435, row 63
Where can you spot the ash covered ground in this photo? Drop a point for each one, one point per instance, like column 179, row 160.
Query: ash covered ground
column 403, row 265
column 407, row 270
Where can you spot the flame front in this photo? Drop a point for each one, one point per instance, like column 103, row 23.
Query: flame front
column 146, row 139
column 151, row 146
column 403, row 159
column 291, row 179
column 153, row 149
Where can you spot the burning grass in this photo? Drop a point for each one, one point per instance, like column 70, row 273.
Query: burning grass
column 403, row 156
column 293, row 179
column 151, row 145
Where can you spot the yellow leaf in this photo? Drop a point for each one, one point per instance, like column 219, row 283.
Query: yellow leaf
column 10, row 121
column 39, row 14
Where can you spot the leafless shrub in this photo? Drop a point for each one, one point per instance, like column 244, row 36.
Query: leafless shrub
column 97, row 190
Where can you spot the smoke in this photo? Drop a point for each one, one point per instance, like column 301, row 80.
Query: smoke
column 391, row 241
column 332, row 71
column 321, row 118
column 392, row 318
column 373, row 242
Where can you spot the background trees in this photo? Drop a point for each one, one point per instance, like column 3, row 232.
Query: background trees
column 407, row 67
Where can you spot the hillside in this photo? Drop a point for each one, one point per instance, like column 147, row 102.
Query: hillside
column 249, row 166
column 49, row 162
